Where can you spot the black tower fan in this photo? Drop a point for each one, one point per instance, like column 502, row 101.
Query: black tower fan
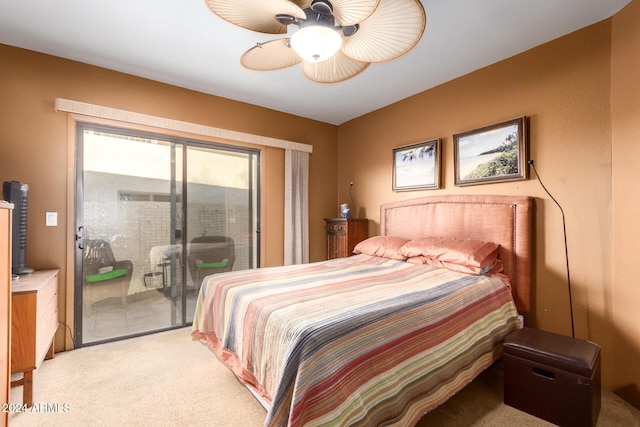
column 18, row 194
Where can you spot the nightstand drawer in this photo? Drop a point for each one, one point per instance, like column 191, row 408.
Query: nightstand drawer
column 336, row 227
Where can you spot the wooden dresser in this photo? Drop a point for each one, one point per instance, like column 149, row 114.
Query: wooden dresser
column 5, row 305
column 34, row 321
column 343, row 234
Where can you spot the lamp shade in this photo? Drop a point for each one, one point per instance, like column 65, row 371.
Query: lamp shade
column 316, row 43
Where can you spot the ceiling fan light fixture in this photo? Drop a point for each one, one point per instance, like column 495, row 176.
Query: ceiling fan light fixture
column 316, row 43
column 352, row 33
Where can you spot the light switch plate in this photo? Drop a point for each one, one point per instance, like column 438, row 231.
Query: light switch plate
column 52, row 219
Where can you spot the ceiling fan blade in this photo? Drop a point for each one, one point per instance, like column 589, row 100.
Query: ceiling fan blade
column 256, row 15
column 347, row 12
column 271, row 55
column 351, row 12
column 391, row 31
column 337, row 69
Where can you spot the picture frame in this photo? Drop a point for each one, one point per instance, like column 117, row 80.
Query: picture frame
column 490, row 154
column 417, row 166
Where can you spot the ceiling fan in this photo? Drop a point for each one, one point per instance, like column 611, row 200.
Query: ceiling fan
column 335, row 40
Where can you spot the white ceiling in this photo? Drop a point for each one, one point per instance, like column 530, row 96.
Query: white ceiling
column 181, row 42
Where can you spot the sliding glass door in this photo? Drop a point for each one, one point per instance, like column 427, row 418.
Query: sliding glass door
column 155, row 216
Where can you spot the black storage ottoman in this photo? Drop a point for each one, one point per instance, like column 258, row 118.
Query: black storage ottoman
column 551, row 376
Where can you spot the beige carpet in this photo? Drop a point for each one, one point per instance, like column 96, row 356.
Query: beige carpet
column 168, row 379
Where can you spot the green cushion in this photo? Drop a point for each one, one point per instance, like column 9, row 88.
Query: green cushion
column 113, row 274
column 221, row 264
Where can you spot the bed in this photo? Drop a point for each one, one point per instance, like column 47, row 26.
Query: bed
column 386, row 335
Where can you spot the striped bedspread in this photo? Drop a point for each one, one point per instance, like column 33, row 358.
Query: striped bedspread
column 362, row 340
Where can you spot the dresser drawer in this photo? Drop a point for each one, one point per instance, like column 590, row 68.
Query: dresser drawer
column 34, row 319
column 47, row 295
column 47, row 313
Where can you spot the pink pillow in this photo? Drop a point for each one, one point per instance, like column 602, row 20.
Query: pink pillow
column 382, row 246
column 453, row 250
column 487, row 271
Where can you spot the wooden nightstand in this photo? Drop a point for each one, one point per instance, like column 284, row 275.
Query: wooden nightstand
column 343, row 234
column 34, row 321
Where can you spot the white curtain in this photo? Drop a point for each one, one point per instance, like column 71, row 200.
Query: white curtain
column 296, row 207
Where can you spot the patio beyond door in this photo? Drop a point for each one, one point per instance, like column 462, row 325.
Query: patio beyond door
column 155, row 216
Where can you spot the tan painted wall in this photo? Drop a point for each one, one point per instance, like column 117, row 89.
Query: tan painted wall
column 34, row 143
column 564, row 87
column 625, row 114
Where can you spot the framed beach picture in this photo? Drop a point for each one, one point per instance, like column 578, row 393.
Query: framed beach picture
column 491, row 154
column 417, row 166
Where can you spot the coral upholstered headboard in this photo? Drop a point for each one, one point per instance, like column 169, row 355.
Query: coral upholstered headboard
column 506, row 220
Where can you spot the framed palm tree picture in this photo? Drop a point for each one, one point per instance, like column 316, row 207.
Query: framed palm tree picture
column 491, row 154
column 417, row 166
